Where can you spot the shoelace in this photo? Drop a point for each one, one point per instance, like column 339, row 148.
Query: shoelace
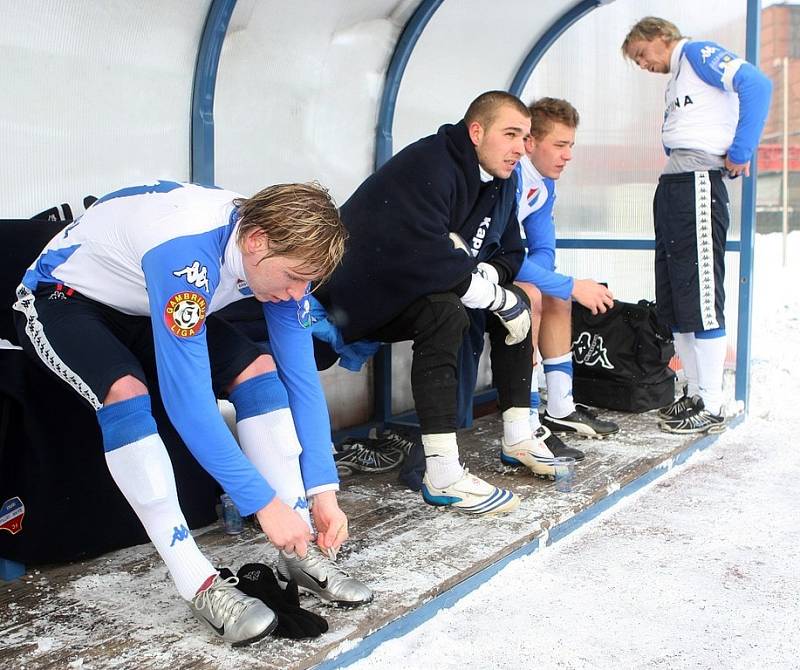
column 398, row 441
column 314, row 559
column 222, row 598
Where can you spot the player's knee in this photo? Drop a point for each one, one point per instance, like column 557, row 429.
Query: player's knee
column 446, row 316
column 260, row 366
column 534, row 296
column 556, row 309
column 124, row 388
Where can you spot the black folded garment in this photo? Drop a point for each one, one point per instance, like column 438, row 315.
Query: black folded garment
column 258, row 581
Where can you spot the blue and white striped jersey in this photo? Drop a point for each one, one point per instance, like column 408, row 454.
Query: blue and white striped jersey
column 168, row 250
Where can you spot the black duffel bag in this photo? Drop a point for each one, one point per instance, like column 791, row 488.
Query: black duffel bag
column 621, row 358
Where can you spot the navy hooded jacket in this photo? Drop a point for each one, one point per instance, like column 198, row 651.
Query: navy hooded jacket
column 399, row 221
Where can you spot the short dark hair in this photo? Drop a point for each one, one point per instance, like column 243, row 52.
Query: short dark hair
column 547, row 111
column 485, row 107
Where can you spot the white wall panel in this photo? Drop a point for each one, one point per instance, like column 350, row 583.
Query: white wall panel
column 469, row 46
column 298, row 91
column 95, row 95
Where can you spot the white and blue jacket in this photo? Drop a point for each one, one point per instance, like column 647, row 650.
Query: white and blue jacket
column 715, row 102
column 168, row 251
column 537, row 195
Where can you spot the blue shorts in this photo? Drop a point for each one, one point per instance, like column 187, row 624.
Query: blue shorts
column 691, row 214
column 90, row 345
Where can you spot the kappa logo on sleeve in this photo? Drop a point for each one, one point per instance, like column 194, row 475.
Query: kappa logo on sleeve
column 185, row 313
column 195, row 274
column 11, row 515
column 707, row 51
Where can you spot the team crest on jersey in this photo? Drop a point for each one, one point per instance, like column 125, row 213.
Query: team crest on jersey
column 243, row 288
column 195, row 274
column 185, row 313
column 11, row 515
column 533, row 193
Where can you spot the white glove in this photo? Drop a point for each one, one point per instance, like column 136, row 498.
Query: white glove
column 488, row 271
column 513, row 313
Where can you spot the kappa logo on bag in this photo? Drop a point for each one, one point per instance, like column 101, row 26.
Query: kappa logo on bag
column 590, row 350
column 11, row 515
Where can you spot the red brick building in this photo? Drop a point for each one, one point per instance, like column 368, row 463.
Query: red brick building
column 780, row 39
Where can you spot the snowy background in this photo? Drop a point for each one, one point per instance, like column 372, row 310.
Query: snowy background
column 699, row 570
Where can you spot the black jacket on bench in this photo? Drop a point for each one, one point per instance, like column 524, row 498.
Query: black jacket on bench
column 399, row 222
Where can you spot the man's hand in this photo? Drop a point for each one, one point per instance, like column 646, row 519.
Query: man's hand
column 592, row 295
column 735, row 169
column 330, row 521
column 513, row 313
column 284, row 527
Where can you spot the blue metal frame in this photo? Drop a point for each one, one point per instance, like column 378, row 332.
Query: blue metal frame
column 205, row 82
column 394, row 75
column 561, row 24
column 744, row 333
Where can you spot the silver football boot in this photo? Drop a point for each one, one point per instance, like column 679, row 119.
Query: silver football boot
column 319, row 575
column 235, row 617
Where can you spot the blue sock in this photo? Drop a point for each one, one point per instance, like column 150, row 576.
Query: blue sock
column 126, row 422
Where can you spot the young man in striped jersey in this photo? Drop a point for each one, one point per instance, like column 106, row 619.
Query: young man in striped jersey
column 548, row 149
column 140, row 276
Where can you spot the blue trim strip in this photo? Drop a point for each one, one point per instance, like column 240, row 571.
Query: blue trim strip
column 539, row 49
column 621, row 243
column 709, row 334
column 394, row 75
column 259, row 395
column 427, row 610
column 566, row 367
column 748, row 218
column 205, row 82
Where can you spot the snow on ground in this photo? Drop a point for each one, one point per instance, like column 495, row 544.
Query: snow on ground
column 699, row 570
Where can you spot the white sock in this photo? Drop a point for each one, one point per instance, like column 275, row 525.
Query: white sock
column 710, row 355
column 442, row 466
column 516, row 425
column 558, row 373
column 270, row 443
column 143, row 472
column 684, row 347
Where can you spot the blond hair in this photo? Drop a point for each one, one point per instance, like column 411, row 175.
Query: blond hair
column 650, row 28
column 547, row 111
column 299, row 220
column 486, row 106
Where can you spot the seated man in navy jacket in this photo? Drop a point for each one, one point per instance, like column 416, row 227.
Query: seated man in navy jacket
column 434, row 246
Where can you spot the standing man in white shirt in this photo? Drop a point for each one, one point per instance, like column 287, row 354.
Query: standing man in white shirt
column 716, row 107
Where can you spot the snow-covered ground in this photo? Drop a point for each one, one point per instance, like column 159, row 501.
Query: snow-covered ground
column 700, row 570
